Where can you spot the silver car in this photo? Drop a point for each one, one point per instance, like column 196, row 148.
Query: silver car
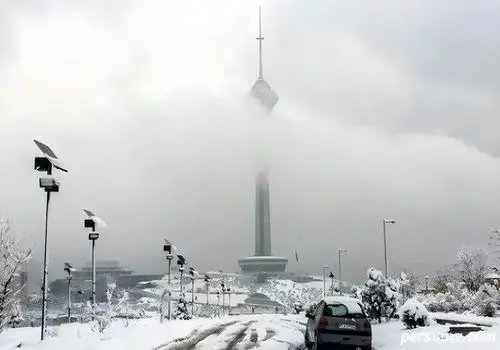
column 338, row 321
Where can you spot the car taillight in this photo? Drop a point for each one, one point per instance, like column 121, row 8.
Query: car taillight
column 323, row 322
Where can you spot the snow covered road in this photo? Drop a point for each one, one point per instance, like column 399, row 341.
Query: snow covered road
column 244, row 332
column 273, row 332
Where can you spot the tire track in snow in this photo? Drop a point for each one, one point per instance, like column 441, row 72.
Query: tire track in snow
column 239, row 336
column 197, row 336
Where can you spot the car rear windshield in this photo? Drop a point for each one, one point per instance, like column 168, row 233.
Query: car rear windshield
column 343, row 310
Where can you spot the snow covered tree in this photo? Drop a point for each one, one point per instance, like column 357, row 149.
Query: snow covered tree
column 413, row 314
column 182, row 310
column 471, row 267
column 12, row 260
column 356, row 292
column 407, row 285
column 379, row 296
column 440, row 280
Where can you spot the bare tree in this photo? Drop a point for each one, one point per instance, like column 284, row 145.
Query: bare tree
column 471, row 267
column 12, row 260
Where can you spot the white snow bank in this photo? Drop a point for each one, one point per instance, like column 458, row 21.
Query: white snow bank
column 392, row 336
column 466, row 318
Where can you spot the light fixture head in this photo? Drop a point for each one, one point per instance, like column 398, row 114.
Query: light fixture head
column 49, row 184
column 50, row 159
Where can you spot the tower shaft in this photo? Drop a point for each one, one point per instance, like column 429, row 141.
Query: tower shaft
column 262, row 216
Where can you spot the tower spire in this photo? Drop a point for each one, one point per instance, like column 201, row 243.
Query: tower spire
column 260, row 38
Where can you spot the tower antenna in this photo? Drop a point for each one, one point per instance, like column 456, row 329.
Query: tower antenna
column 260, row 38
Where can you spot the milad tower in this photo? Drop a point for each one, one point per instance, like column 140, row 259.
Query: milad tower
column 263, row 260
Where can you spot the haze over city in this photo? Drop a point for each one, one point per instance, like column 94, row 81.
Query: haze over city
column 147, row 104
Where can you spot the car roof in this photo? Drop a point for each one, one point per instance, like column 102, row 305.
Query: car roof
column 340, row 299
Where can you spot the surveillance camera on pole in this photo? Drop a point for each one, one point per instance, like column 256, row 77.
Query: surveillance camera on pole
column 69, row 269
column 49, row 184
column 91, row 222
column 167, row 248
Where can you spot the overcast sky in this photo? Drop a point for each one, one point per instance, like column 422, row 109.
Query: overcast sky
column 387, row 109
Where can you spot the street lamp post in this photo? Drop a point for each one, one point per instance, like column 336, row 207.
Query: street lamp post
column 332, row 276
column 181, row 261
column 192, row 275
column 228, row 290
column 167, row 248
column 223, row 290
column 426, row 284
column 69, row 269
column 324, row 280
column 91, row 222
column 340, row 269
column 218, row 302
column 386, row 221
column 49, row 184
column 207, row 285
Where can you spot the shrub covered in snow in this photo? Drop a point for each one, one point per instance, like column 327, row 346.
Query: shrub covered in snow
column 379, row 296
column 103, row 314
column 182, row 311
column 456, row 299
column 486, row 301
column 413, row 314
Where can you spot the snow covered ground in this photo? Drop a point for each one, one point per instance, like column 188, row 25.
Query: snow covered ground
column 272, row 332
column 392, row 336
column 242, row 332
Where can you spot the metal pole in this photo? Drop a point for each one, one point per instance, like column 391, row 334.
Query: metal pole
column 93, row 272
column 324, row 282
column 169, row 290
column 340, row 274
column 45, row 266
column 208, row 286
column 223, row 301
column 426, row 285
column 69, row 300
column 192, row 296
column 218, row 303
column 385, row 250
column 229, row 302
column 181, row 270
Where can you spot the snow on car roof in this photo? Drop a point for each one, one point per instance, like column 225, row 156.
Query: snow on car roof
column 352, row 304
column 340, row 299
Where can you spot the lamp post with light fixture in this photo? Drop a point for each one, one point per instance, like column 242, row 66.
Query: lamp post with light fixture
column 340, row 269
column 91, row 222
column 386, row 221
column 49, row 185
